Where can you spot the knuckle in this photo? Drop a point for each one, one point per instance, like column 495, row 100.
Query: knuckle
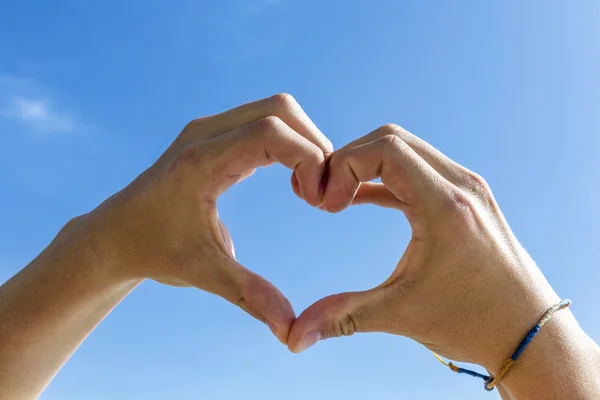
column 339, row 160
column 389, row 140
column 284, row 101
column 314, row 155
column 261, row 130
column 477, row 185
column 392, row 142
column 398, row 131
column 268, row 125
column 191, row 129
column 461, row 205
column 345, row 326
column 194, row 126
column 391, row 129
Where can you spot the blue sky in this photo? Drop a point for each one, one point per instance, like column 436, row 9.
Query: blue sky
column 92, row 92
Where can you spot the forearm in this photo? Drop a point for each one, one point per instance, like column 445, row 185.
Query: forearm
column 562, row 362
column 49, row 308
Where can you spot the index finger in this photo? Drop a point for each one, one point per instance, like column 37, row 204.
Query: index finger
column 449, row 169
column 282, row 106
column 241, row 150
column 410, row 178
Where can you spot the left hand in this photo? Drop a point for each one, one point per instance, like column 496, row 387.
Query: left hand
column 165, row 225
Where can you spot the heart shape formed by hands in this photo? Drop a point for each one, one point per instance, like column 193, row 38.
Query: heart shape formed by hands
column 461, row 252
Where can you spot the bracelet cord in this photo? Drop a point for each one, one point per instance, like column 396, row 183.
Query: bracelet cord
column 492, row 382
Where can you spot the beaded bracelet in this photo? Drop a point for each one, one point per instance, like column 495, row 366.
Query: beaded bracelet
column 491, row 382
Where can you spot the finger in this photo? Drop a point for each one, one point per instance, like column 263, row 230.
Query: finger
column 296, row 185
column 449, row 169
column 283, row 106
column 377, row 194
column 334, row 316
column 237, row 152
column 412, row 180
column 251, row 292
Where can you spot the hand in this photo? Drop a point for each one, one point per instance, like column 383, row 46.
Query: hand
column 464, row 287
column 165, row 225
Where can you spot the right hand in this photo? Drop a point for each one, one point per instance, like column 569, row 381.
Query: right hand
column 165, row 224
column 465, row 287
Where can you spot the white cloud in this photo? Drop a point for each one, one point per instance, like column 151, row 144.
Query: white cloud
column 39, row 115
column 24, row 101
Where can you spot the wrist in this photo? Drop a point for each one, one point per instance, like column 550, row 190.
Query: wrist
column 79, row 248
column 516, row 298
column 515, row 321
column 561, row 362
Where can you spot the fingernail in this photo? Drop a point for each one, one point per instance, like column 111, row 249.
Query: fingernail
column 309, row 339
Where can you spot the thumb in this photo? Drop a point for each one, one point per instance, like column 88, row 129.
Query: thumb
column 251, row 292
column 261, row 299
column 334, row 316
